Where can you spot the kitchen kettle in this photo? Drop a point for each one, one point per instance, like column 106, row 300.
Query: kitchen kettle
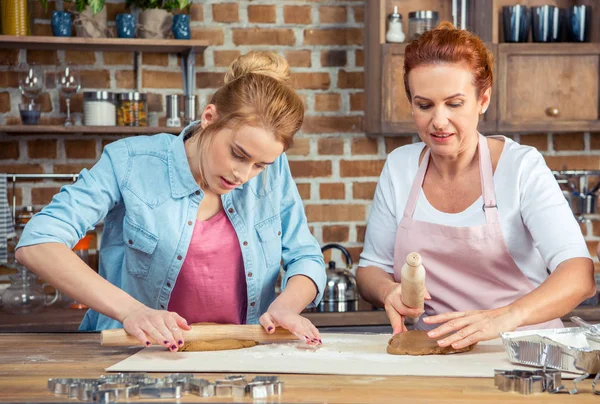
column 341, row 293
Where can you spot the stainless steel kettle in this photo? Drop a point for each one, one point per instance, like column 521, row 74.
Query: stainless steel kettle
column 341, row 293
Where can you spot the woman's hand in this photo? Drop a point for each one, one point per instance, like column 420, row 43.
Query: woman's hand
column 396, row 310
column 283, row 317
column 162, row 326
column 470, row 327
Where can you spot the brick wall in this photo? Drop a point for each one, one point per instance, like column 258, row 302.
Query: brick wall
column 335, row 165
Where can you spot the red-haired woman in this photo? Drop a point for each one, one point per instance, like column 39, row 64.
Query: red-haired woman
column 500, row 245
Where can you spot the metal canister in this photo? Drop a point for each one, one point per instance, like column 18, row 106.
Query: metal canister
column 173, row 111
column 190, row 104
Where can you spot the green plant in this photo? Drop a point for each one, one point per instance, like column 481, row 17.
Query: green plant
column 95, row 5
column 168, row 5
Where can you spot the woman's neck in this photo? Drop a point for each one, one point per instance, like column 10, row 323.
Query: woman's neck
column 448, row 168
column 192, row 151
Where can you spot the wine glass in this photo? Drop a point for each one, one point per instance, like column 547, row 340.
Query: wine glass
column 31, row 82
column 68, row 83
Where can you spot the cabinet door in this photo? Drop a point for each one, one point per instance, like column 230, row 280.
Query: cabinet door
column 548, row 87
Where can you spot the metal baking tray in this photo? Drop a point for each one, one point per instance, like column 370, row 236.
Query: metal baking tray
column 571, row 350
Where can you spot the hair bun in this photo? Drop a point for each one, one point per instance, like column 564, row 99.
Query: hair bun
column 445, row 25
column 257, row 62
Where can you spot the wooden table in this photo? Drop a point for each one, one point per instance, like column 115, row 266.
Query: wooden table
column 28, row 360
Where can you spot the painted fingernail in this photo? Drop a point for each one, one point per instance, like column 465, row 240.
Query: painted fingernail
column 306, row 337
column 270, row 329
column 166, row 342
column 320, row 341
column 148, row 343
column 173, row 347
column 180, row 342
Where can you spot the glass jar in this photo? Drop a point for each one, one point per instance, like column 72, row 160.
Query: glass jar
column 133, row 109
column 99, row 108
column 421, row 21
column 25, row 295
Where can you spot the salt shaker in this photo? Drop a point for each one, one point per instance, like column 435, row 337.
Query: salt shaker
column 394, row 32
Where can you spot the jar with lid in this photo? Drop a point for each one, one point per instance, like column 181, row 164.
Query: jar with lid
column 25, row 295
column 421, row 21
column 99, row 108
column 133, row 109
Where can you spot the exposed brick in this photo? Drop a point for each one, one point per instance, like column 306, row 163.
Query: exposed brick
column 42, row 57
column 568, row 141
column 155, row 59
column 42, row 149
column 595, row 141
column 42, row 30
column 299, row 58
column 331, row 146
column 9, row 79
column 359, row 13
column 4, row 101
column 301, row 147
column 225, row 57
column 360, row 233
column 327, row 102
column 363, row 190
column 214, row 36
column 21, row 169
column 392, row 143
column 258, row 36
column 197, row 12
column 335, row 212
column 312, row 81
column 297, row 15
column 118, row 58
column 76, row 103
column 261, row 13
column 226, row 12
column 335, row 234
column 80, row 58
column 332, row 14
column 18, row 193
column 154, row 79
column 112, row 9
column 9, row 57
column 304, row 191
column 334, row 58
column 357, row 101
column 364, row 146
column 573, row 162
column 9, row 150
column 333, row 36
column 52, row 120
column 43, row 196
column 155, row 103
column 209, row 79
column 310, row 169
column 538, row 140
column 125, row 79
column 71, row 168
column 332, row 124
column 595, row 227
column 332, row 190
column 592, row 247
column 361, row 168
column 80, row 149
column 95, row 78
column 355, row 253
column 350, row 79
column 359, row 58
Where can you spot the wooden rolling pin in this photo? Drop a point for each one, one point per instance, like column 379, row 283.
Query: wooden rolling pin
column 208, row 332
column 412, row 277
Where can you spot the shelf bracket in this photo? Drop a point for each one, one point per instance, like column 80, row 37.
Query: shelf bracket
column 137, row 61
column 188, row 64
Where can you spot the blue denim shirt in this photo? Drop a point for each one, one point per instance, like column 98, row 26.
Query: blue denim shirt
column 144, row 190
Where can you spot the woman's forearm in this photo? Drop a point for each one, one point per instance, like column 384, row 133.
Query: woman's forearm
column 63, row 269
column 374, row 284
column 299, row 291
column 570, row 284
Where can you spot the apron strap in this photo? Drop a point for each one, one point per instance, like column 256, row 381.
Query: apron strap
column 487, row 183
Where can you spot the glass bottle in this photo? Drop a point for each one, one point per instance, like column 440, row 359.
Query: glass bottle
column 25, row 295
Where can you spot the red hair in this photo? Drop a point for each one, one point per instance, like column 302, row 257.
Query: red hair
column 446, row 44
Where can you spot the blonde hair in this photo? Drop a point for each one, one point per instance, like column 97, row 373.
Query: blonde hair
column 258, row 92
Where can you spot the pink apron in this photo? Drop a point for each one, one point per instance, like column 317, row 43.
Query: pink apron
column 467, row 268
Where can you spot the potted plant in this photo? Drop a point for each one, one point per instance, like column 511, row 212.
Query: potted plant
column 155, row 17
column 90, row 17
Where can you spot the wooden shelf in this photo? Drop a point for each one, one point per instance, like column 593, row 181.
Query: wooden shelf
column 57, row 129
column 102, row 44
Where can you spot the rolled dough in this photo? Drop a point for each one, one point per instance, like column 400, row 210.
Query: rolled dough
column 418, row 343
column 216, row 345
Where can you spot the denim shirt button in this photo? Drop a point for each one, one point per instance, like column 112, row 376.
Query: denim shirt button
column 189, row 222
column 179, row 257
column 130, row 241
column 230, row 210
column 162, row 307
column 249, row 274
column 197, row 192
column 168, row 284
column 245, row 243
column 253, row 304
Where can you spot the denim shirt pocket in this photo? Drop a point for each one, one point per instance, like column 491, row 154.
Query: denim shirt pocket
column 269, row 234
column 141, row 245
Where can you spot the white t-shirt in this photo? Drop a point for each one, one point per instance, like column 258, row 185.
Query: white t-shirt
column 538, row 226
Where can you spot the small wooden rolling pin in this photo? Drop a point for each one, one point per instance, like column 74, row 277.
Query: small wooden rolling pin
column 208, row 332
column 412, row 277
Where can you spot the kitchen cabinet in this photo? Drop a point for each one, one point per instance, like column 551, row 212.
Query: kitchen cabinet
column 537, row 86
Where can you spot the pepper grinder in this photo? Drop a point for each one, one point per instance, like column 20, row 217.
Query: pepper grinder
column 394, row 32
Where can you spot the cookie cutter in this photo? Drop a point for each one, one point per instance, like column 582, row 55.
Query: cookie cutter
column 264, row 386
column 528, row 381
column 202, row 387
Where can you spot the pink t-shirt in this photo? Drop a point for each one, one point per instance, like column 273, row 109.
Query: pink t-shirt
column 211, row 286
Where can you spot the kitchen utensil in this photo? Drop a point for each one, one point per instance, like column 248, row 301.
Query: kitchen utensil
column 395, row 33
column 516, row 23
column 421, row 21
column 528, row 381
column 341, row 292
column 190, row 105
column 209, row 332
column 173, row 108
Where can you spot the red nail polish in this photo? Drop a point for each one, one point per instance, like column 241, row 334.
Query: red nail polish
column 166, row 342
column 173, row 347
column 269, row 329
column 180, row 342
column 148, row 343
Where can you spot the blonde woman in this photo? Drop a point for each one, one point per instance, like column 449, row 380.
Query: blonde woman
column 195, row 226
